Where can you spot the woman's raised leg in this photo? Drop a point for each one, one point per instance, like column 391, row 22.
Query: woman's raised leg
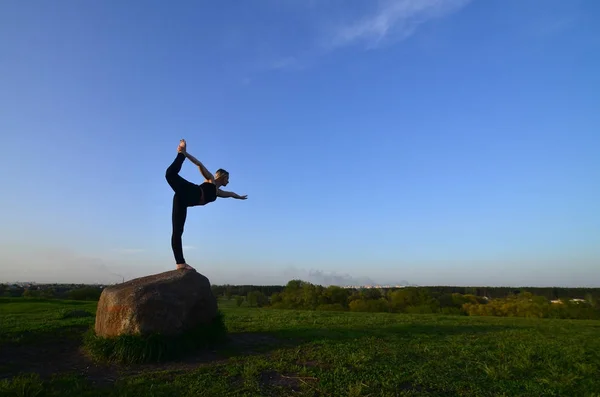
column 172, row 174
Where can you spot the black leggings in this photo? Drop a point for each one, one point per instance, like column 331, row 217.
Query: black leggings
column 186, row 195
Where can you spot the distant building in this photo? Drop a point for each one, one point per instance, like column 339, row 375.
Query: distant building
column 559, row 301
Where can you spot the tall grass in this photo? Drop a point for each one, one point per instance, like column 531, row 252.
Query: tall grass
column 154, row 347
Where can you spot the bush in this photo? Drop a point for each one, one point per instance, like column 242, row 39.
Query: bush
column 371, row 305
column 455, row 311
column 331, row 307
column 239, row 300
column 85, row 294
column 420, row 309
column 256, row 298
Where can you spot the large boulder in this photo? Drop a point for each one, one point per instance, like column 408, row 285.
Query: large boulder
column 169, row 303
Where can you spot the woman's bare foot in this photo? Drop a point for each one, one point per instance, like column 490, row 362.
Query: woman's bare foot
column 184, row 266
column 182, row 146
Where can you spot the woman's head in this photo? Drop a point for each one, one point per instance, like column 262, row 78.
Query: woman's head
column 222, row 177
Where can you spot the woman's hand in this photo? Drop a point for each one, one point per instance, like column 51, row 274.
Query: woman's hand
column 225, row 193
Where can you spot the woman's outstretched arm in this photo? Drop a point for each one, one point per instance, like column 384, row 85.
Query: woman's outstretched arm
column 225, row 194
column 206, row 173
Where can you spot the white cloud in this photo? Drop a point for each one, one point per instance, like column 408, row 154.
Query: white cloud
column 394, row 20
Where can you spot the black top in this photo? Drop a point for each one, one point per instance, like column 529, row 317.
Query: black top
column 209, row 192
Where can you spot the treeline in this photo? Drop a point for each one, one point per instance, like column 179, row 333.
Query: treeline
column 75, row 293
column 228, row 291
column 550, row 293
column 526, row 304
column 303, row 295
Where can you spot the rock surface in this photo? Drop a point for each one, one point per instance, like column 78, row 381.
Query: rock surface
column 169, row 303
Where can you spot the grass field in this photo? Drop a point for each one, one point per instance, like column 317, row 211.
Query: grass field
column 285, row 352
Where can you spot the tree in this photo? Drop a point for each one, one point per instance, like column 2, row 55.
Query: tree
column 256, row 298
column 335, row 295
column 310, row 296
column 370, row 293
column 31, row 293
column 276, row 298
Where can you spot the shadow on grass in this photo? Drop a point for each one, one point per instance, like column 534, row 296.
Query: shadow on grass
column 262, row 342
column 340, row 333
column 41, row 337
column 64, row 351
column 42, row 352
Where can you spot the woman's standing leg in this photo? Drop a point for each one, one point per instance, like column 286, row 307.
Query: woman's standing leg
column 179, row 212
column 178, row 219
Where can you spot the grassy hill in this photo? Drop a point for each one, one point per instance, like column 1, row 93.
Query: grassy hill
column 309, row 353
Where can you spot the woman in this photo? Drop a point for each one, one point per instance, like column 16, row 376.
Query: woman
column 188, row 194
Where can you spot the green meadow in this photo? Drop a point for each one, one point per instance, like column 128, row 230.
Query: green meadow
column 278, row 352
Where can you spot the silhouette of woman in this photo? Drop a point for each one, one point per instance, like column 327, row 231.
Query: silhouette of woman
column 188, row 194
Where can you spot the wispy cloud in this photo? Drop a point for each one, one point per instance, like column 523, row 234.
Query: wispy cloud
column 128, row 251
column 551, row 25
column 372, row 24
column 284, row 63
column 323, row 278
column 393, row 20
column 58, row 264
column 188, row 247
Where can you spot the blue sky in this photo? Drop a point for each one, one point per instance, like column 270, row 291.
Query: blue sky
column 441, row 142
